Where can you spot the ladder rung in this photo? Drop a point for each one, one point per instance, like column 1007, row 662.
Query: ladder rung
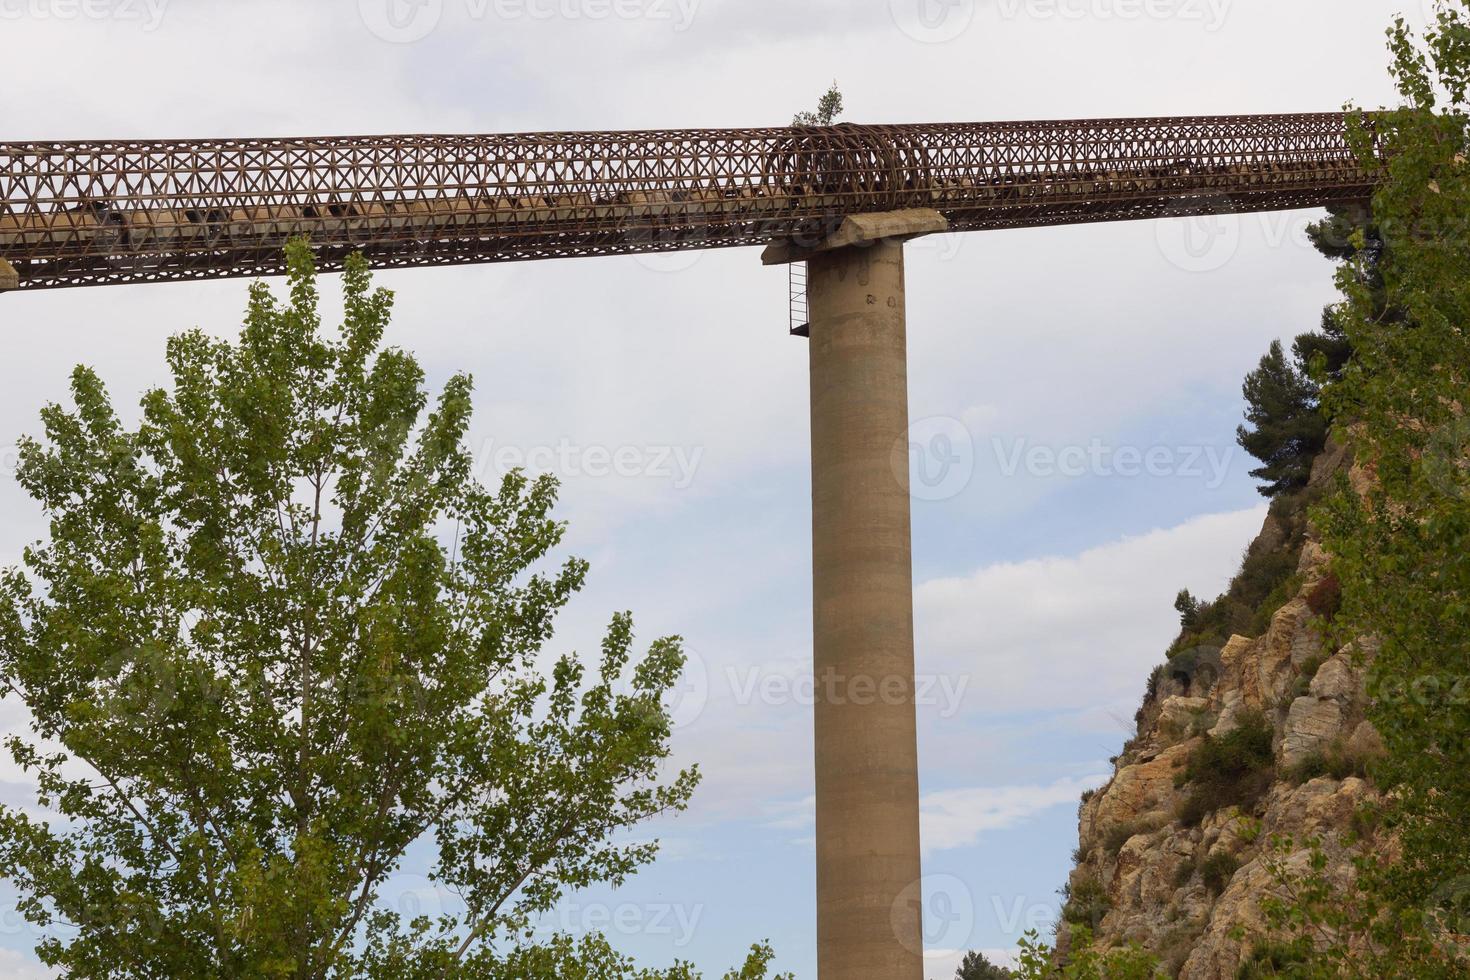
column 798, row 323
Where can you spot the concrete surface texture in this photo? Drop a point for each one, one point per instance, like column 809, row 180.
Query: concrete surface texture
column 867, row 788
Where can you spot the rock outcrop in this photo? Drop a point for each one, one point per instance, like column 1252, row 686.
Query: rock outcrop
column 1186, row 885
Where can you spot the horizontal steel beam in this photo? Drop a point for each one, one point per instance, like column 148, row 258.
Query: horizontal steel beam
column 98, row 212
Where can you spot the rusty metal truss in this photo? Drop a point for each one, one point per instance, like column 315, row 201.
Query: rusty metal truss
column 92, row 213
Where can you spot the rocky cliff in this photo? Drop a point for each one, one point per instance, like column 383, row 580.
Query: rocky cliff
column 1259, row 737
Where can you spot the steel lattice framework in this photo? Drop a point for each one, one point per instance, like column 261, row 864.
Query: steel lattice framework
column 92, row 213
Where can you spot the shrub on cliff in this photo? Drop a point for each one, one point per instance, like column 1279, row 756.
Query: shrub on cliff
column 1234, row 769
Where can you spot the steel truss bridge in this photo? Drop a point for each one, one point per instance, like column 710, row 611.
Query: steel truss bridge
column 93, row 213
column 98, row 212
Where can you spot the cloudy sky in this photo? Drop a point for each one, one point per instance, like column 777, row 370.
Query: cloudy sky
column 1085, row 381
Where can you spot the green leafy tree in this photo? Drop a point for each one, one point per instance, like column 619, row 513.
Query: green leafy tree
column 1038, row 961
column 975, row 966
column 278, row 634
column 829, row 109
column 1286, row 429
column 1401, row 544
column 591, row 958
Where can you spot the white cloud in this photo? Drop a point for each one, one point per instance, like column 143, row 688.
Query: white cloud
column 792, row 814
column 1073, row 632
column 16, row 965
column 1055, row 646
column 957, row 817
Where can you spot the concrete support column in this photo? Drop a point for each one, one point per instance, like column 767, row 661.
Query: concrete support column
column 867, row 794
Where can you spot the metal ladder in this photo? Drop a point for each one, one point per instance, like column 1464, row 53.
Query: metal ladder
column 799, row 323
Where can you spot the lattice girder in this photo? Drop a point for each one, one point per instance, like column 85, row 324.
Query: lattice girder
column 91, row 213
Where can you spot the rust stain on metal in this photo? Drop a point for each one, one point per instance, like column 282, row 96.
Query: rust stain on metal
column 99, row 212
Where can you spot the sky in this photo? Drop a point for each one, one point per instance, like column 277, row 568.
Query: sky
column 1074, row 391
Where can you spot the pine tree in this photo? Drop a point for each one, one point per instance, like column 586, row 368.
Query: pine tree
column 1287, row 429
column 1188, row 608
column 1323, row 353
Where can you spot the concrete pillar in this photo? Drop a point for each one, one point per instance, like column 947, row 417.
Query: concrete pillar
column 868, row 902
